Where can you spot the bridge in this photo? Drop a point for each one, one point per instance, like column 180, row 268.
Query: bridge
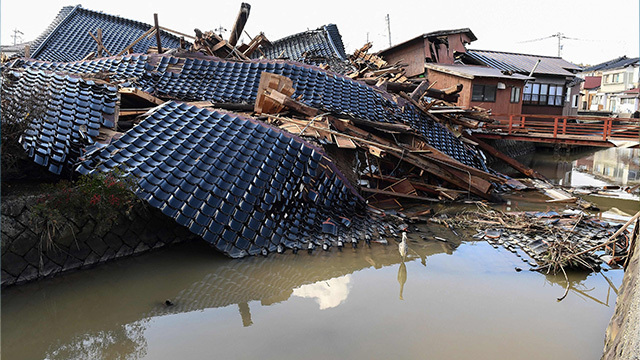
column 564, row 130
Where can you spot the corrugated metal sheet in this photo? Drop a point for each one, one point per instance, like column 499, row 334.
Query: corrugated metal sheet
column 523, row 63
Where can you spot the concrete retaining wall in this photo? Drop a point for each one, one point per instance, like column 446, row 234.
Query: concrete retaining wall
column 622, row 341
column 31, row 251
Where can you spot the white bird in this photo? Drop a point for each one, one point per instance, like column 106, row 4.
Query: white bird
column 402, row 247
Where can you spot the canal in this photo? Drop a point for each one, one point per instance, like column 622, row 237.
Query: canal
column 459, row 299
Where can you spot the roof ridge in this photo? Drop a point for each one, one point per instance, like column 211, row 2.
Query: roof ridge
column 515, row 53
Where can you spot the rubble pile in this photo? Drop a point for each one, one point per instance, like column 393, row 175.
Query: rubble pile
column 550, row 240
column 257, row 147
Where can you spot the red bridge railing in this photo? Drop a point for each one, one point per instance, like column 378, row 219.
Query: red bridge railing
column 567, row 127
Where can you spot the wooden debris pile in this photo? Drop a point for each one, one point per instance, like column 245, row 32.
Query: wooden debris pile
column 551, row 241
column 393, row 164
column 210, row 43
column 372, row 67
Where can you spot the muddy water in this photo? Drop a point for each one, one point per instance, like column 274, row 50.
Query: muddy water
column 455, row 300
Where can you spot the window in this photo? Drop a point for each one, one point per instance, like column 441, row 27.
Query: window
column 515, row 95
column 574, row 102
column 542, row 94
column 485, row 93
column 616, row 78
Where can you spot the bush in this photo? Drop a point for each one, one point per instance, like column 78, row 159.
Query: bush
column 101, row 196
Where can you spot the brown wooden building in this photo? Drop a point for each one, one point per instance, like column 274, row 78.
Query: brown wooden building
column 440, row 47
column 481, row 86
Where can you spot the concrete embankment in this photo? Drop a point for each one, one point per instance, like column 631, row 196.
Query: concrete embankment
column 622, row 341
column 33, row 249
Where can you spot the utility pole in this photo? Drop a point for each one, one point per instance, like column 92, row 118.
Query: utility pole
column 389, row 29
column 15, row 36
column 560, row 37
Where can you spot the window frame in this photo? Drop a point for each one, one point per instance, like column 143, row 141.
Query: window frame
column 486, row 91
column 515, row 95
column 543, row 94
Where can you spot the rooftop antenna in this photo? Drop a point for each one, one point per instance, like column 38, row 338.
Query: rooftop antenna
column 15, row 36
column 220, row 30
column 389, row 28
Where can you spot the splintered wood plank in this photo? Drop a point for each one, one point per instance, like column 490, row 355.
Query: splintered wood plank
column 133, row 92
column 268, row 82
column 344, row 143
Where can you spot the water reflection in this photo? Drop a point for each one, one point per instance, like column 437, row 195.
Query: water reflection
column 402, row 277
column 328, row 294
column 612, row 166
column 103, row 313
column 578, row 287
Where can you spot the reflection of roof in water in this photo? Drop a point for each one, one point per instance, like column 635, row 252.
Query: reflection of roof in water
column 273, row 279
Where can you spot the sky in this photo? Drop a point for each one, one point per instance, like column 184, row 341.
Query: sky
column 598, row 30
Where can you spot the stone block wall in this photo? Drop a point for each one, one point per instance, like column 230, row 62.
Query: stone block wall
column 33, row 249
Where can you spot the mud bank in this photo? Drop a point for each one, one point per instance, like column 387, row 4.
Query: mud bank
column 622, row 339
column 32, row 250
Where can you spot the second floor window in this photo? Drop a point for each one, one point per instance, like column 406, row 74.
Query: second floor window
column 542, row 94
column 485, row 93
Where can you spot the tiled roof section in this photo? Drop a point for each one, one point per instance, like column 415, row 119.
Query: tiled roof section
column 68, row 39
column 523, row 63
column 69, row 109
column 120, row 69
column 209, row 78
column 240, row 184
column 321, row 46
column 620, row 62
column 592, row 82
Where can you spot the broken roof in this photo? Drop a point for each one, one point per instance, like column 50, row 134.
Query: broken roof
column 471, row 72
column 523, row 63
column 213, row 79
column 321, row 46
column 67, row 37
column 433, row 34
column 620, row 62
column 243, row 186
column 72, row 111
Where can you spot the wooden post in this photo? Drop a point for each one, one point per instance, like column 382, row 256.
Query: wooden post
column 99, row 51
column 155, row 21
column 564, row 126
column 555, row 128
column 510, row 124
column 605, row 128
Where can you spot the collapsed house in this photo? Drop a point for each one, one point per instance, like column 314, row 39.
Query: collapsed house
column 240, row 151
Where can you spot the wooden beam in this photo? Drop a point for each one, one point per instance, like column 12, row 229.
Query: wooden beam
column 177, row 32
column 141, row 94
column 136, row 41
column 157, row 28
column 400, row 195
column 509, row 160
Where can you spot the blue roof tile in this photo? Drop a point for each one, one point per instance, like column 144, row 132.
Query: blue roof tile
column 228, row 81
column 62, row 120
column 217, row 206
column 321, row 46
column 68, row 39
